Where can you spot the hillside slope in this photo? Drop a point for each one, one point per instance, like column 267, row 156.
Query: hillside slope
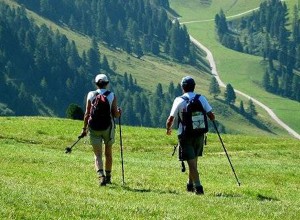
column 243, row 71
column 150, row 70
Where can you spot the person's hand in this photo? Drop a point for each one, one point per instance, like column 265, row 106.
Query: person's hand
column 211, row 116
column 169, row 131
column 83, row 133
column 120, row 110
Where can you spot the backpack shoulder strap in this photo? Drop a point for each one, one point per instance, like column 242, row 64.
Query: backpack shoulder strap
column 185, row 98
column 95, row 94
column 106, row 93
column 197, row 96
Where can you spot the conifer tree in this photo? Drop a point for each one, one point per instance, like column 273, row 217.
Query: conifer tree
column 221, row 23
column 295, row 87
column 229, row 95
column 242, row 109
column 104, row 64
column 266, row 80
column 178, row 90
column 214, row 88
column 275, row 84
column 138, row 50
column 93, row 57
column 175, row 39
column 251, row 109
column 171, row 89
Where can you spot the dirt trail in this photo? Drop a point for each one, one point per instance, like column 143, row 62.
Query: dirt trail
column 210, row 58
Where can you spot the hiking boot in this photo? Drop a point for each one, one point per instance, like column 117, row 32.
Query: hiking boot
column 108, row 179
column 199, row 190
column 190, row 187
column 102, row 180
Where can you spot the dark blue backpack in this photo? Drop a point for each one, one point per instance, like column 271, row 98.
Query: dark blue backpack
column 194, row 119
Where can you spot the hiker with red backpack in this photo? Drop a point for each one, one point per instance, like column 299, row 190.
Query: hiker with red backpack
column 101, row 109
column 191, row 110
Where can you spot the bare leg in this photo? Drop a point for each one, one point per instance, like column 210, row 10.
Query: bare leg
column 98, row 157
column 193, row 172
column 194, row 176
column 108, row 162
column 108, row 157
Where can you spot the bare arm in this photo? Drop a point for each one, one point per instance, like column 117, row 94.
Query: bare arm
column 211, row 115
column 86, row 118
column 169, row 124
column 116, row 112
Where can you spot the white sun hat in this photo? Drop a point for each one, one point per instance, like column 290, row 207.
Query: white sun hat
column 101, row 77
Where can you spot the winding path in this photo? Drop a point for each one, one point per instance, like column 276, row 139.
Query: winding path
column 210, row 59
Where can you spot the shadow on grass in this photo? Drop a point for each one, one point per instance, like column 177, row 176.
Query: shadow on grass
column 20, row 140
column 141, row 190
column 227, row 195
column 266, row 198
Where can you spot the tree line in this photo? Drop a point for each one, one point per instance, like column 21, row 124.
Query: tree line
column 42, row 73
column 265, row 33
column 136, row 26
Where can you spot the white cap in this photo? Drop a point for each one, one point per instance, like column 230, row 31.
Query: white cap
column 101, row 77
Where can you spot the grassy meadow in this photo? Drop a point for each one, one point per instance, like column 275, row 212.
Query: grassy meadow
column 39, row 181
column 243, row 71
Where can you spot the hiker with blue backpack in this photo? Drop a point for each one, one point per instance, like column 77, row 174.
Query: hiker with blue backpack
column 191, row 110
column 101, row 109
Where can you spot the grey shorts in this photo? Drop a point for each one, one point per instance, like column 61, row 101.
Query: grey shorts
column 191, row 147
column 107, row 136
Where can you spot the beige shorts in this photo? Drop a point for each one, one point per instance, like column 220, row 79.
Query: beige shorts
column 107, row 136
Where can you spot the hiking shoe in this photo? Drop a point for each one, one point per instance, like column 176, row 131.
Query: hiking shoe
column 199, row 190
column 108, row 179
column 102, row 180
column 190, row 187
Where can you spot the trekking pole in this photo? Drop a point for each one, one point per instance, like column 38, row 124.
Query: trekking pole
column 69, row 149
column 226, row 153
column 121, row 146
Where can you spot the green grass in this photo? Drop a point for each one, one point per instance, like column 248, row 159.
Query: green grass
column 243, row 71
column 192, row 10
column 39, row 181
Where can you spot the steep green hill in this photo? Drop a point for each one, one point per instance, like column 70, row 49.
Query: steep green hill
column 39, row 181
column 150, row 70
column 243, row 71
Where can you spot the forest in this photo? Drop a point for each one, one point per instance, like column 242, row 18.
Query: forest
column 42, row 71
column 138, row 27
column 268, row 33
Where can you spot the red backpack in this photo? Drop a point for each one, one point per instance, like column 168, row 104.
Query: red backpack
column 100, row 113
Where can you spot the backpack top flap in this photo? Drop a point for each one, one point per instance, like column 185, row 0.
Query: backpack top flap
column 100, row 114
column 194, row 117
